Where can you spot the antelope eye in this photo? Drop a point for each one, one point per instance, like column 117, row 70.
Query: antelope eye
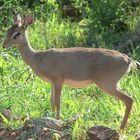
column 16, row 35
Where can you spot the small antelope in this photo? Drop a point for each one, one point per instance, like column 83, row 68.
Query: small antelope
column 77, row 67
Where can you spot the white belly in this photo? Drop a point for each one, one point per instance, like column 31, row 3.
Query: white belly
column 78, row 84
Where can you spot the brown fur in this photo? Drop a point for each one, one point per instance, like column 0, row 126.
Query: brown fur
column 12, row 29
column 77, row 67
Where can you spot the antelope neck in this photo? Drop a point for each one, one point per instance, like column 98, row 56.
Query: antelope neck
column 26, row 51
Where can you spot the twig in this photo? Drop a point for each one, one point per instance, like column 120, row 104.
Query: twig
column 4, row 5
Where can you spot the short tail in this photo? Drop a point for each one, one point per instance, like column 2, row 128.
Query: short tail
column 138, row 65
column 134, row 64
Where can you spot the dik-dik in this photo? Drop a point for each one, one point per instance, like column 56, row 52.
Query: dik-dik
column 77, row 67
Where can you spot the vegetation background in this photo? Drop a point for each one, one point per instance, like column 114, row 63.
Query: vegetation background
column 69, row 23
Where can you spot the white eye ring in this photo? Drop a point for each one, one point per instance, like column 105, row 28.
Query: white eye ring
column 16, row 35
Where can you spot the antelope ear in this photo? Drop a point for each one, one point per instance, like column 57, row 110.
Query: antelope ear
column 17, row 19
column 29, row 20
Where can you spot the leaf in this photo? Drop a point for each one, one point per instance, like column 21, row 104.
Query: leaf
column 4, row 118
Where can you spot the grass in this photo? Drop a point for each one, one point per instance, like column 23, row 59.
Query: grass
column 29, row 96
